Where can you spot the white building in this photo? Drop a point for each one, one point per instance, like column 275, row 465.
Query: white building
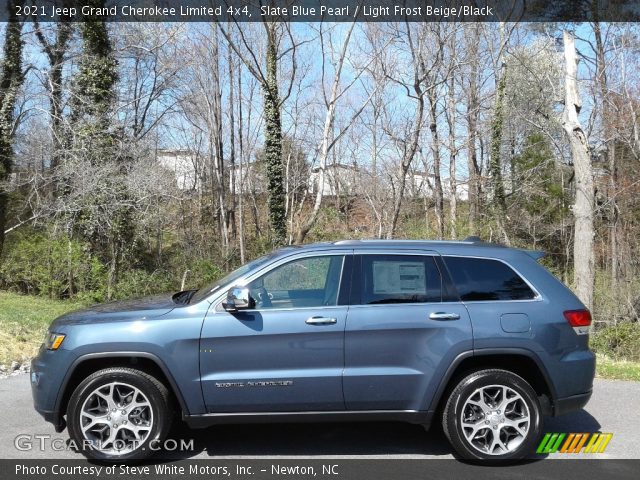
column 183, row 164
column 421, row 184
column 339, row 179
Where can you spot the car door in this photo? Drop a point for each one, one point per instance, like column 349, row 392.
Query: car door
column 503, row 306
column 287, row 353
column 403, row 330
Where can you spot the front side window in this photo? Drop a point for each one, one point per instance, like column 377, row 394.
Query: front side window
column 301, row 283
column 482, row 279
column 400, row 279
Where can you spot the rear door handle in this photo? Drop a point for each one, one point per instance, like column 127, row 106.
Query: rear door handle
column 320, row 321
column 444, row 316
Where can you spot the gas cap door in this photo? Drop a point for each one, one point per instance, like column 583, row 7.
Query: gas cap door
column 515, row 322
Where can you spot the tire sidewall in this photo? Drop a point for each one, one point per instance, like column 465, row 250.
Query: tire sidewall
column 158, row 406
column 481, row 379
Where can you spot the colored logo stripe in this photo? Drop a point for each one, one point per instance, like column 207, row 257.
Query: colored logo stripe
column 574, row 443
column 598, row 442
column 550, row 443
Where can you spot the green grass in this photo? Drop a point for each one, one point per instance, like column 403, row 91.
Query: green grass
column 24, row 321
column 618, row 370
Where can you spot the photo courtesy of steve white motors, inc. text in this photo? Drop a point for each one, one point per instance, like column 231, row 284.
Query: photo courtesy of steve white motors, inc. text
column 200, row 469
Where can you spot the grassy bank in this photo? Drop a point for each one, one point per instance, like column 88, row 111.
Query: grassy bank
column 618, row 370
column 23, row 322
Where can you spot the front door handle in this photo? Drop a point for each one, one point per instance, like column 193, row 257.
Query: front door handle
column 444, row 316
column 320, row 321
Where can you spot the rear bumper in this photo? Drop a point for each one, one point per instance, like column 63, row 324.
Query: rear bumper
column 570, row 404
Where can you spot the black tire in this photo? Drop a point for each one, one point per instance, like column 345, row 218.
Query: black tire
column 518, row 445
column 158, row 397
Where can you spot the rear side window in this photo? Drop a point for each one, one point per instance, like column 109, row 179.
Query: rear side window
column 481, row 279
column 400, row 279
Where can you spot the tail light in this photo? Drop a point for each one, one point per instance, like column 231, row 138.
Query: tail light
column 578, row 318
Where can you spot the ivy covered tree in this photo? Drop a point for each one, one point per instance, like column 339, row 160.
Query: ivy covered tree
column 267, row 76
column 105, row 218
column 93, row 90
column 273, row 144
column 11, row 79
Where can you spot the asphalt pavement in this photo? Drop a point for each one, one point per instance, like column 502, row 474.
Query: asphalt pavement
column 614, row 408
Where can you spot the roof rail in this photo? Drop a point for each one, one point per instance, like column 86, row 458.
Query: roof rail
column 474, row 239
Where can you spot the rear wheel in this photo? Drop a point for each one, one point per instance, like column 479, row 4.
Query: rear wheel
column 118, row 414
column 492, row 415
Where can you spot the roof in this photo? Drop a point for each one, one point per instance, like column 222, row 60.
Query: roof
column 472, row 241
column 470, row 245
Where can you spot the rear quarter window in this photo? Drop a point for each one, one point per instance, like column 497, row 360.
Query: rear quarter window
column 482, row 279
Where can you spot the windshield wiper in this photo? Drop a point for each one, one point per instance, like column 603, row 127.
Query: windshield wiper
column 182, row 298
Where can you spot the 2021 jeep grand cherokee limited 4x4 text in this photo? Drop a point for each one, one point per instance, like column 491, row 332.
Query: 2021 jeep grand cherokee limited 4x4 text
column 478, row 335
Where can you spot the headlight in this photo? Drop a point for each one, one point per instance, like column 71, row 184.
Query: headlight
column 53, row 341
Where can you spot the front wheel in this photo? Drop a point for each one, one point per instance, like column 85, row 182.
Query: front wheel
column 118, row 414
column 492, row 415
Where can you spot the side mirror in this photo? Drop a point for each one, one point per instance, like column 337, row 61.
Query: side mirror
column 238, row 298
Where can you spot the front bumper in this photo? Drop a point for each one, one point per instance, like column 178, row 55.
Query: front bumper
column 570, row 404
column 47, row 377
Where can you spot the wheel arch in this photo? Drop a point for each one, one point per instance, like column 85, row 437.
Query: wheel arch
column 85, row 365
column 522, row 362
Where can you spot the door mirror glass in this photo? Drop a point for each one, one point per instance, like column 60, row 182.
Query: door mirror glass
column 238, row 298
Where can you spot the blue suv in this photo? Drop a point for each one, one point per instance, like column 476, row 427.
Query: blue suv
column 478, row 336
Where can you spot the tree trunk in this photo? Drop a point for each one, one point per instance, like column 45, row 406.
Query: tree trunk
column 273, row 144
column 435, row 152
column 409, row 153
column 11, row 79
column 55, row 54
column 240, row 172
column 609, row 143
column 230, row 212
column 496, row 143
column 217, row 145
column 583, row 255
column 495, row 164
column 453, row 186
column 472, row 113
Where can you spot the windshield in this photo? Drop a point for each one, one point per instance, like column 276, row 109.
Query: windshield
column 230, row 278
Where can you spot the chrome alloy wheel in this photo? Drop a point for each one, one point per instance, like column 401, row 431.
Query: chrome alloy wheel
column 495, row 419
column 116, row 418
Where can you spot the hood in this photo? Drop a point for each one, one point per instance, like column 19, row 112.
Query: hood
column 122, row 310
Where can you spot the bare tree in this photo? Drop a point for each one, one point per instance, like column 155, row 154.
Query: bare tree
column 451, row 112
column 273, row 100
column 202, row 107
column 55, row 52
column 499, row 196
column 329, row 137
column 425, row 43
column 472, row 113
column 583, row 256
